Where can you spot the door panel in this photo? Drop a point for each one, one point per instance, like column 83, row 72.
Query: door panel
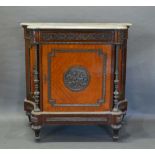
column 76, row 77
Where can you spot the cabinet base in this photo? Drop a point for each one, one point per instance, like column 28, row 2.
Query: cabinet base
column 111, row 118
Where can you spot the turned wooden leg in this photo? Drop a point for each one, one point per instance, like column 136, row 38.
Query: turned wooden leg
column 115, row 129
column 115, row 135
column 29, row 117
column 123, row 119
column 37, row 134
column 36, row 131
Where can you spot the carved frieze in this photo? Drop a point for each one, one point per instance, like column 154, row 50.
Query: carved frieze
column 77, row 36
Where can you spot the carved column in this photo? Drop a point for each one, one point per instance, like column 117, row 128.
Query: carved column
column 36, row 94
column 116, row 80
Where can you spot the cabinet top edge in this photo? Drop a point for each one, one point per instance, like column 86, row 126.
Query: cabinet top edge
column 76, row 25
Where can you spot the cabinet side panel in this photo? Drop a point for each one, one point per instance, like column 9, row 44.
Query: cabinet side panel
column 124, row 61
column 29, row 64
column 27, row 68
column 41, row 77
column 122, row 69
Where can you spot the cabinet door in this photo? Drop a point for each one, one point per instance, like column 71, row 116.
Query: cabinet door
column 76, row 77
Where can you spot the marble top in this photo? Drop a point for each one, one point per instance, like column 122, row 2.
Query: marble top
column 76, row 25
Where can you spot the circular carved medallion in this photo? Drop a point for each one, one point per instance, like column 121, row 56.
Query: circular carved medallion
column 76, row 78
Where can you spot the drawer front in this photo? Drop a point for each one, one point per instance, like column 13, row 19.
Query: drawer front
column 76, row 77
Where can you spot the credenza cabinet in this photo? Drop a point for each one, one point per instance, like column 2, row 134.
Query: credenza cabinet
column 75, row 74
